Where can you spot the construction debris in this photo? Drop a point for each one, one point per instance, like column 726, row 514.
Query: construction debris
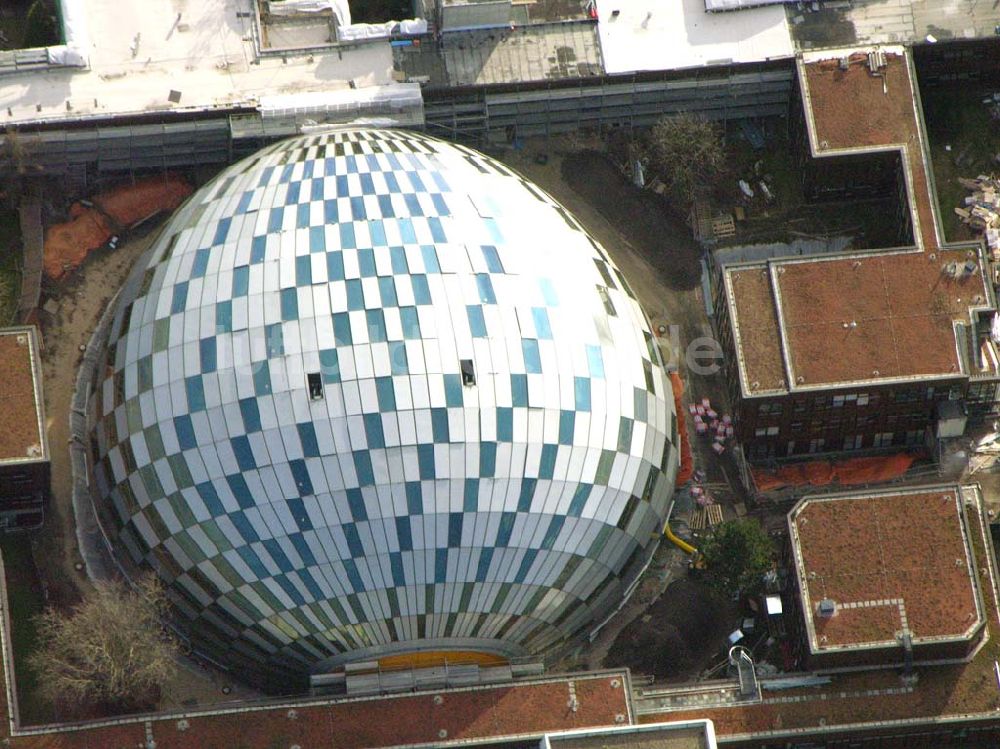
column 708, row 423
column 981, row 211
column 985, row 453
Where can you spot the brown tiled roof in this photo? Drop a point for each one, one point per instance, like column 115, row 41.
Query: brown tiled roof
column 21, row 431
column 864, row 551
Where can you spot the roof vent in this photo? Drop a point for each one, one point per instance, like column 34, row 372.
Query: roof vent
column 827, row 608
column 468, row 372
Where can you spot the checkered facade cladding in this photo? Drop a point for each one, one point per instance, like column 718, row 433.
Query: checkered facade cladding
column 286, row 436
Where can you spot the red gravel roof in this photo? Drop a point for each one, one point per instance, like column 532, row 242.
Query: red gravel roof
column 21, row 437
column 898, row 310
column 867, row 317
column 851, row 109
column 755, row 323
column 961, row 691
column 851, row 318
column 882, row 557
column 531, row 707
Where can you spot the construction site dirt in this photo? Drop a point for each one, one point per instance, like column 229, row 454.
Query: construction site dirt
column 76, row 305
column 655, row 251
column 678, row 636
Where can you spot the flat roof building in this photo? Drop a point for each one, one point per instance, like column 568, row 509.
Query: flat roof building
column 24, row 453
column 648, row 35
column 694, row 734
column 864, row 349
column 852, row 320
column 887, row 576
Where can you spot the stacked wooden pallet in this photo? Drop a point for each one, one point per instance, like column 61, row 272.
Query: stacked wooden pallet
column 705, row 517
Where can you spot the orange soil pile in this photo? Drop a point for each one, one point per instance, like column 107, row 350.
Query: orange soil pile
column 850, row 472
column 68, row 244
column 130, row 204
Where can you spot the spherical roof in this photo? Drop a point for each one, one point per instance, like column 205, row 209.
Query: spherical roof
column 371, row 392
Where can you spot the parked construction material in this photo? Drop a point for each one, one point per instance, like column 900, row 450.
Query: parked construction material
column 981, row 211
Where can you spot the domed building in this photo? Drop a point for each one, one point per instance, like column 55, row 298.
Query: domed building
column 371, row 393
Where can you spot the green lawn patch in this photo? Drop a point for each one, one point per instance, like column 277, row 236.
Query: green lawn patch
column 10, row 266
column 25, row 601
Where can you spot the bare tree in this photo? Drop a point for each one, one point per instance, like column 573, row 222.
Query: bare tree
column 16, row 164
column 686, row 152
column 110, row 649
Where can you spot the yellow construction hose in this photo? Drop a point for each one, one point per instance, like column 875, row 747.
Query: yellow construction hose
column 680, row 544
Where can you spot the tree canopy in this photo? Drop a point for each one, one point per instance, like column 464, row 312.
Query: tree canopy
column 687, row 153
column 737, row 554
column 109, row 649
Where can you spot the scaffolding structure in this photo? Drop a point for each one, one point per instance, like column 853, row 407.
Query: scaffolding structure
column 89, row 148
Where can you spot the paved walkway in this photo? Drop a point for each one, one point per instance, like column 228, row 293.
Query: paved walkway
column 32, row 238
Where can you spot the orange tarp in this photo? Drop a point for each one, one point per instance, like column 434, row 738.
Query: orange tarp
column 873, row 470
column 687, row 461
column 69, row 243
column 853, row 471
